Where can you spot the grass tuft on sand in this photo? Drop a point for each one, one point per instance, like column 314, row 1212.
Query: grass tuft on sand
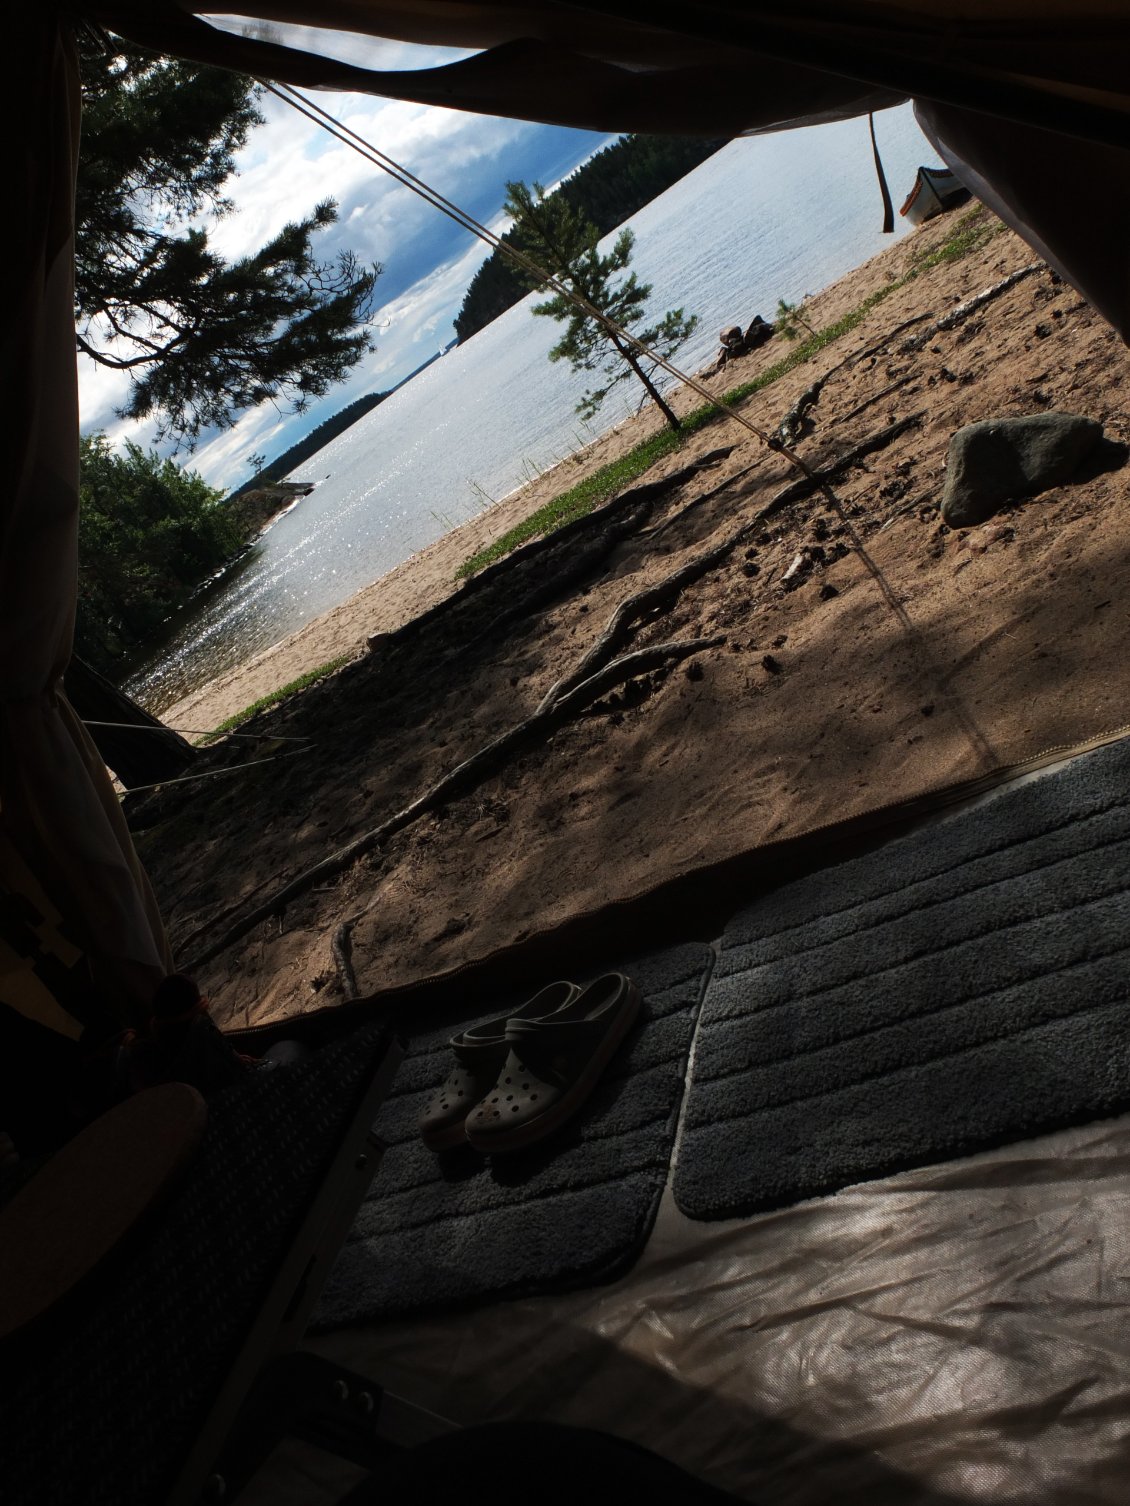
column 577, row 501
column 264, row 701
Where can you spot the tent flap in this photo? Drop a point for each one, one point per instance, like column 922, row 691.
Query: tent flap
column 58, row 809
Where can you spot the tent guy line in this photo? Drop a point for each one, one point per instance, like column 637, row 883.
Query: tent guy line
column 315, row 112
column 215, row 773
column 357, row 143
column 276, row 737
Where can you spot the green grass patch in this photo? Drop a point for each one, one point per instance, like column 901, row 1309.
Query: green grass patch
column 275, row 697
column 970, row 234
column 578, row 500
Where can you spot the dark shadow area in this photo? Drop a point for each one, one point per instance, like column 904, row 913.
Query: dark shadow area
column 583, row 1380
column 1109, row 455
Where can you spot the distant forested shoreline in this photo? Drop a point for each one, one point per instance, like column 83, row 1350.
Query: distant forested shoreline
column 316, row 440
column 607, row 190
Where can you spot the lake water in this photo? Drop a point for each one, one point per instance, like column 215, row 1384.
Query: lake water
column 767, row 217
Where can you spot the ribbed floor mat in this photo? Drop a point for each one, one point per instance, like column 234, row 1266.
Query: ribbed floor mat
column 440, row 1230
column 960, row 988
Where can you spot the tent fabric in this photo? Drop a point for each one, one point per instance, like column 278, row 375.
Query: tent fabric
column 1049, row 192
column 953, row 1336
column 1056, row 62
column 1030, row 99
column 41, row 967
column 530, row 79
column 58, row 810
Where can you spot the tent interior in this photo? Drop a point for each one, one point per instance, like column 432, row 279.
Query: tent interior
column 958, row 1330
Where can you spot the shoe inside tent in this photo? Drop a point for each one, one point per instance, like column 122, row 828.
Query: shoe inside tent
column 1017, row 95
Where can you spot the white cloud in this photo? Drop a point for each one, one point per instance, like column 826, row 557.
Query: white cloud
column 223, row 462
column 289, row 165
column 416, row 330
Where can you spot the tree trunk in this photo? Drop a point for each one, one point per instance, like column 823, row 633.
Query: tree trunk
column 144, row 750
column 633, row 361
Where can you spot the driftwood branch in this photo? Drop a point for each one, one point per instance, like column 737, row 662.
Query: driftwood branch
column 971, row 305
column 456, row 782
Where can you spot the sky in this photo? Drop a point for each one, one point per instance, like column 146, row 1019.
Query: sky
column 288, row 165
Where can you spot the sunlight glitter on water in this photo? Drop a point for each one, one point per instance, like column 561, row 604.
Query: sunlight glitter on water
column 765, row 218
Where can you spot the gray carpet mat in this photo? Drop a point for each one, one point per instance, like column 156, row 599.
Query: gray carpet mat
column 960, row 988
column 443, row 1230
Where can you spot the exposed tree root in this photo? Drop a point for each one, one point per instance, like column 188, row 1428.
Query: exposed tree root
column 791, row 428
column 342, row 948
column 878, row 345
column 834, row 469
column 702, row 499
column 924, row 499
column 617, row 520
column 626, row 615
column 458, row 781
column 877, row 397
column 666, row 592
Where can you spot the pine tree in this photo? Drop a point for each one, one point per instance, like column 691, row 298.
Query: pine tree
column 202, row 338
column 561, row 240
column 608, row 189
column 790, row 321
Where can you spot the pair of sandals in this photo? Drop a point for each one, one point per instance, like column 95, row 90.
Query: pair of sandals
column 518, row 1077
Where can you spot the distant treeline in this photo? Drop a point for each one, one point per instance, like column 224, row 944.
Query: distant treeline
column 314, row 441
column 608, row 190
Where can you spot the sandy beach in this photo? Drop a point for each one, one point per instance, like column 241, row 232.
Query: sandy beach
column 801, row 658
column 420, row 582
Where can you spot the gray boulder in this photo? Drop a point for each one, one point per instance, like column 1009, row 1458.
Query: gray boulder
column 1001, row 459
